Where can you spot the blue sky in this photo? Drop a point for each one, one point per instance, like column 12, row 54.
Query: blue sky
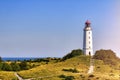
column 42, row 28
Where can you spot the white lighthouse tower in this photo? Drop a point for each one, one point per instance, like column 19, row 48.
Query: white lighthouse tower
column 87, row 39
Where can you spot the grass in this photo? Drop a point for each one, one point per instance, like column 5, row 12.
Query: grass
column 52, row 71
column 81, row 63
column 56, row 69
column 5, row 75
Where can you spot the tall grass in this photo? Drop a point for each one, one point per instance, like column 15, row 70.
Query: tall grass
column 5, row 75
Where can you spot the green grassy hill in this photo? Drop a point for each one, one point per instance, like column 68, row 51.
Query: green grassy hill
column 54, row 71
column 72, row 67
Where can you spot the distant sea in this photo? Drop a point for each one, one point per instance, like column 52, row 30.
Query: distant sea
column 18, row 58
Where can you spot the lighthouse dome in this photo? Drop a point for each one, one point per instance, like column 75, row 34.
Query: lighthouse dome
column 87, row 25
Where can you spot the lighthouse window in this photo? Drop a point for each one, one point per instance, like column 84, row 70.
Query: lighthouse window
column 89, row 32
column 89, row 37
column 89, row 42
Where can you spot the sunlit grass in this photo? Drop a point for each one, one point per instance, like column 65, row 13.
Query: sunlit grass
column 52, row 71
column 5, row 75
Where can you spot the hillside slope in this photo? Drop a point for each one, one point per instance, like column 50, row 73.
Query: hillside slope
column 72, row 69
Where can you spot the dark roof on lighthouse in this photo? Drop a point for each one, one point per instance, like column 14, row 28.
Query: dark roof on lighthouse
column 87, row 22
column 87, row 25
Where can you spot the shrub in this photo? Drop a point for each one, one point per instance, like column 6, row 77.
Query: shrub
column 15, row 66
column 1, row 65
column 6, row 67
column 82, row 76
column 67, row 77
column 108, row 56
column 91, row 75
column 98, row 66
column 23, row 65
column 0, row 59
column 71, row 70
column 62, row 76
column 97, row 77
column 74, row 53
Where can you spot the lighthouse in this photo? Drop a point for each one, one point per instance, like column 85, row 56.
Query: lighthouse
column 87, row 39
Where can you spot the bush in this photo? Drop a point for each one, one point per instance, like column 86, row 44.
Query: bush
column 71, row 70
column 6, row 67
column 82, row 76
column 23, row 65
column 62, row 76
column 91, row 75
column 67, row 77
column 1, row 65
column 0, row 59
column 15, row 66
column 74, row 53
column 108, row 56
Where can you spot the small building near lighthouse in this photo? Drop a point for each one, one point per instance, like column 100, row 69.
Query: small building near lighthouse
column 87, row 39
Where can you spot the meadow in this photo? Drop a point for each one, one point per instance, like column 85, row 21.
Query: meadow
column 70, row 68
column 54, row 71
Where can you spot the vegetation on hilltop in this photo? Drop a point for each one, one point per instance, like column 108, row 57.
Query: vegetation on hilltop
column 26, row 64
column 68, row 67
column 14, row 66
column 108, row 56
column 72, row 54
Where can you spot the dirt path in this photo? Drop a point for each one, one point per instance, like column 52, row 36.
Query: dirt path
column 91, row 68
column 20, row 78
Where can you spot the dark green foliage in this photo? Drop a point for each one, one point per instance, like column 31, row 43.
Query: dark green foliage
column 62, row 76
column 1, row 65
column 67, row 77
column 0, row 59
column 47, row 60
column 108, row 56
column 26, row 64
column 74, row 53
column 6, row 67
column 82, row 76
column 71, row 70
column 15, row 66
column 23, row 65
column 91, row 75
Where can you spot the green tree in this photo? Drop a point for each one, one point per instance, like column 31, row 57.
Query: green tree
column 15, row 66
column 74, row 53
column 1, row 65
column 0, row 59
column 23, row 65
column 6, row 67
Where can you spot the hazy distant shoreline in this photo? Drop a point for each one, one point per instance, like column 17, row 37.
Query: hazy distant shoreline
column 18, row 58
column 22, row 58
